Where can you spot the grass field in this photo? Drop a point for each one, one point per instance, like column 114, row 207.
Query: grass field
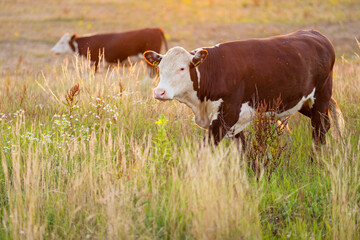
column 117, row 164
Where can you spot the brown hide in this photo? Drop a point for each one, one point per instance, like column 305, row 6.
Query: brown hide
column 119, row 46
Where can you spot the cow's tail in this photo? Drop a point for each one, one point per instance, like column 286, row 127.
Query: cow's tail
column 164, row 40
column 337, row 119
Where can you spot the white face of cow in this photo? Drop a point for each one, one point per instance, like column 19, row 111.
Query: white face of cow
column 63, row 45
column 175, row 81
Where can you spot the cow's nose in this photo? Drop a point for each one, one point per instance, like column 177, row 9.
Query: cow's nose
column 54, row 52
column 159, row 93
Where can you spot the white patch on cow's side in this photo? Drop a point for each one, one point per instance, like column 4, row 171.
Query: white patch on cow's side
column 311, row 100
column 298, row 106
column 217, row 45
column 246, row 115
column 63, row 46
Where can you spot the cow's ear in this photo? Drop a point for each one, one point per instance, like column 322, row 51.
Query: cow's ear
column 153, row 58
column 199, row 57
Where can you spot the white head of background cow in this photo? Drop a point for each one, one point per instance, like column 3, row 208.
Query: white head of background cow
column 174, row 69
column 63, row 46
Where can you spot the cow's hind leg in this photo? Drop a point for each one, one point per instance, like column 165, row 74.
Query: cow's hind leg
column 320, row 120
column 306, row 111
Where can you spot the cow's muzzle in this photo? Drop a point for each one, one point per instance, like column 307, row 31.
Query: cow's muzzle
column 160, row 94
column 54, row 52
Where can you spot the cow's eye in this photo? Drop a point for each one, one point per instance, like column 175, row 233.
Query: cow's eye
column 182, row 69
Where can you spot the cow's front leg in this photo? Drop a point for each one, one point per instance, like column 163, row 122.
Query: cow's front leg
column 217, row 131
column 226, row 118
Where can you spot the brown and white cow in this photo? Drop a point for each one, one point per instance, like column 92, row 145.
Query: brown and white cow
column 223, row 84
column 116, row 47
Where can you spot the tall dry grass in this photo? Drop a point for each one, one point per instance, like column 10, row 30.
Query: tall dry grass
column 343, row 168
column 80, row 193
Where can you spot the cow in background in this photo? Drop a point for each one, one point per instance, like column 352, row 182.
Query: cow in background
column 116, row 47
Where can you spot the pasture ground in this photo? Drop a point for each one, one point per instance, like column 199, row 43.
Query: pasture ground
column 109, row 165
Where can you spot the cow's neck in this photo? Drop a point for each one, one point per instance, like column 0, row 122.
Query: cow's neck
column 202, row 101
column 204, row 111
column 198, row 107
column 195, row 100
column 195, row 77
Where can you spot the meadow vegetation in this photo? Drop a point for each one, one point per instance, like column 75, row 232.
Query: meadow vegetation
column 94, row 156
